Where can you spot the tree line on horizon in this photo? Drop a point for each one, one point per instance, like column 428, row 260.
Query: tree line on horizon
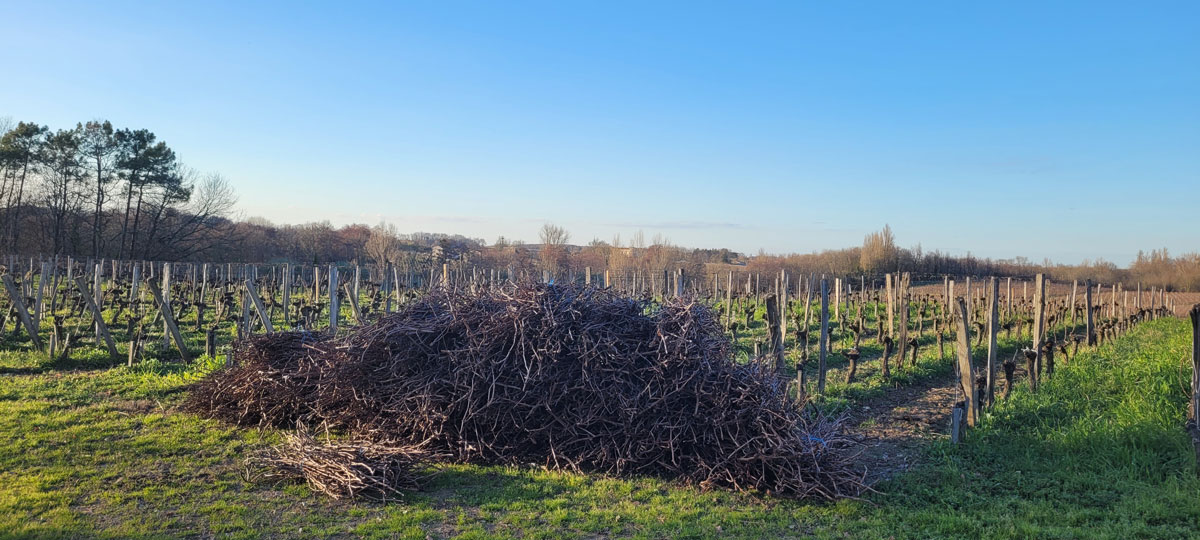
column 99, row 191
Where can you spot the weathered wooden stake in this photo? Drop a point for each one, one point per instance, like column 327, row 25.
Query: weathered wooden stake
column 287, row 294
column 168, row 320
column 14, row 294
column 775, row 333
column 824, row 336
column 993, row 327
column 966, row 373
column 1194, row 411
column 1039, row 327
column 333, row 298
column 265, row 317
column 1090, row 326
column 101, row 327
column 210, row 342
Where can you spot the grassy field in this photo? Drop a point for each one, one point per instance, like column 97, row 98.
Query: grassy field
column 1099, row 452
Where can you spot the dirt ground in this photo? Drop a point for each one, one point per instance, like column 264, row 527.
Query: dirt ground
column 892, row 429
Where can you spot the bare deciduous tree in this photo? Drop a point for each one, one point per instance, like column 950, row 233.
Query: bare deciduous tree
column 383, row 246
column 554, row 247
column 879, row 253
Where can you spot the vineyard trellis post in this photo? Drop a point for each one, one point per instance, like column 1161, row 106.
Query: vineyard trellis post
column 1090, row 326
column 168, row 320
column 902, row 298
column 966, row 372
column 891, row 309
column 99, row 316
column 1074, row 288
column 14, row 294
column 1194, row 410
column 821, row 355
column 334, row 309
column 993, row 326
column 1039, row 327
column 775, row 333
column 263, row 315
column 37, row 302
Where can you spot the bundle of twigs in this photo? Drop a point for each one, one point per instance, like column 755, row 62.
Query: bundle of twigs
column 273, row 382
column 573, row 378
column 341, row 469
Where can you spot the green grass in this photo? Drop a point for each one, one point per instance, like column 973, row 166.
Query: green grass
column 1098, row 452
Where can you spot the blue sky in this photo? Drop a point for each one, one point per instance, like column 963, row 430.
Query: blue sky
column 1043, row 129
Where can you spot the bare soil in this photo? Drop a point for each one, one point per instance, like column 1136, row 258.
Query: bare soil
column 893, row 427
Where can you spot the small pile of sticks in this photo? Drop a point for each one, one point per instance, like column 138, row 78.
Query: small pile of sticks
column 341, row 469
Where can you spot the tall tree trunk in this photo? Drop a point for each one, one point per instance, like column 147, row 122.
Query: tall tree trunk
column 137, row 216
column 125, row 224
column 6, row 190
column 16, row 209
column 99, row 207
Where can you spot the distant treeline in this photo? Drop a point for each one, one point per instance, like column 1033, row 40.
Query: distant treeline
column 100, row 191
column 320, row 242
column 105, row 192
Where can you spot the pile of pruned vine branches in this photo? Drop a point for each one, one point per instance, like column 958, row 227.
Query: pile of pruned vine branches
column 342, row 469
column 569, row 377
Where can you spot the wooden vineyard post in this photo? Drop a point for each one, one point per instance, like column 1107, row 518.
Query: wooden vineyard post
column 252, row 291
column 891, row 309
column 1087, row 299
column 965, row 372
column 804, row 330
column 210, row 342
column 1112, row 303
column 1009, row 300
column 783, row 310
column 993, row 327
column 357, row 280
column 956, row 423
column 837, row 298
column 287, row 294
column 396, row 286
column 902, row 305
column 98, row 296
column 353, row 304
column 137, row 280
column 1194, row 410
column 775, row 332
column 103, row 328
column 316, row 292
column 821, row 355
column 1074, row 287
column 168, row 320
column 1039, row 327
column 14, row 294
column 729, row 301
column 333, row 298
column 41, row 289
column 389, row 284
column 970, row 305
column 245, row 328
column 204, row 281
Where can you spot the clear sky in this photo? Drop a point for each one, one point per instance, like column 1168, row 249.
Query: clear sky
column 1043, row 129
